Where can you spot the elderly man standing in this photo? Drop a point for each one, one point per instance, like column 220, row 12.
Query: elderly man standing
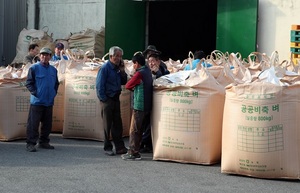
column 42, row 83
column 108, row 86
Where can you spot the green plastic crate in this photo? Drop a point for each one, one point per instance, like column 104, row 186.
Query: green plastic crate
column 295, row 50
column 295, row 39
column 295, row 33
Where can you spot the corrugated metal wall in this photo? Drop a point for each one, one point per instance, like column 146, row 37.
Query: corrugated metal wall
column 1, row 30
column 13, row 19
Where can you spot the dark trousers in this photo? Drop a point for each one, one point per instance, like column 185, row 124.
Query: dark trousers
column 112, row 124
column 39, row 115
column 147, row 138
column 139, row 121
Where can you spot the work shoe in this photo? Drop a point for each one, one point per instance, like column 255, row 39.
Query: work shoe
column 45, row 146
column 122, row 151
column 30, row 148
column 131, row 157
column 109, row 152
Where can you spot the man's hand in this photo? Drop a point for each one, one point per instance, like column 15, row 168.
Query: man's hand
column 122, row 66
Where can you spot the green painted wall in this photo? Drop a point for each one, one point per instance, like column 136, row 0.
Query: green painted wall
column 237, row 26
column 125, row 26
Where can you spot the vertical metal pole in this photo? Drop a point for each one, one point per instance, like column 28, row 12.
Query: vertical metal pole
column 147, row 25
column 2, row 14
column 37, row 14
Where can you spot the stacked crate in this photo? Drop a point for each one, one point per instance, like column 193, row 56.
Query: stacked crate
column 295, row 44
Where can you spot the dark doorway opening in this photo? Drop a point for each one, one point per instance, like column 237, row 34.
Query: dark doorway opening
column 177, row 27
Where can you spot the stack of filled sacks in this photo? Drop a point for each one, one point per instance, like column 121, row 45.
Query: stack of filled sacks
column 82, row 112
column 14, row 103
column 187, row 117
column 217, row 64
column 261, row 128
column 175, row 66
column 88, row 39
column 31, row 36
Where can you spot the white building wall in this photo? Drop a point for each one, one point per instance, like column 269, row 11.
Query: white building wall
column 274, row 26
column 30, row 14
column 68, row 16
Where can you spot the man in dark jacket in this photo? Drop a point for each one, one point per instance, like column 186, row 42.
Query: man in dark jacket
column 32, row 57
column 42, row 83
column 158, row 69
column 108, row 87
column 162, row 67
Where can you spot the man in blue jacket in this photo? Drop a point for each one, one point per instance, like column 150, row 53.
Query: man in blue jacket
column 42, row 83
column 59, row 47
column 108, row 86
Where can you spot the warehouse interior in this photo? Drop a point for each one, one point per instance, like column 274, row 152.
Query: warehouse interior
column 178, row 27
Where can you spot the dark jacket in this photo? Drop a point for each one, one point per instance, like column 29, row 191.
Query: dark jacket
column 162, row 70
column 109, row 80
column 42, row 83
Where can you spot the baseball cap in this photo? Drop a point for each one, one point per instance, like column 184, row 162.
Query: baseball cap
column 45, row 50
column 60, row 45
